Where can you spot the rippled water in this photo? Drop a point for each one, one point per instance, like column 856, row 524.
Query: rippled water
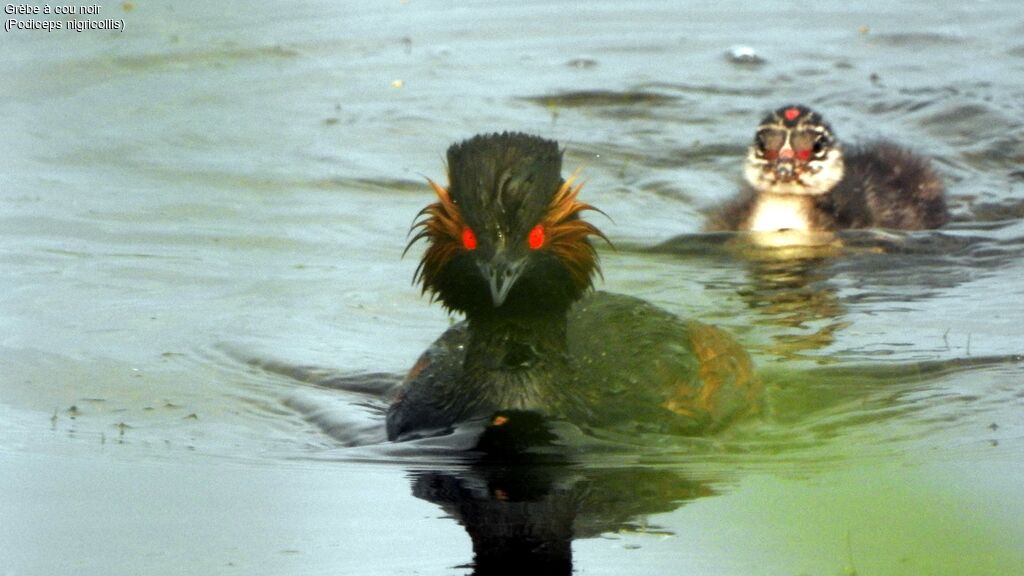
column 201, row 220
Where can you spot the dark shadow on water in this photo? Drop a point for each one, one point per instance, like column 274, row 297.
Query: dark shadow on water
column 523, row 508
column 525, row 517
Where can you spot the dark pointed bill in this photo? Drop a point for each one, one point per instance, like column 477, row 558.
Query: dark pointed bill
column 501, row 275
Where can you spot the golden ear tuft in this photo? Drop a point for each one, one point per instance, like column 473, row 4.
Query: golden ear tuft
column 441, row 224
column 567, row 233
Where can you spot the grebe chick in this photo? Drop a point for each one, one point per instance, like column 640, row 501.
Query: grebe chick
column 801, row 178
column 507, row 247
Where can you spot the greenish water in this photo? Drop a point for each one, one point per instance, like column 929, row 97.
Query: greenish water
column 201, row 222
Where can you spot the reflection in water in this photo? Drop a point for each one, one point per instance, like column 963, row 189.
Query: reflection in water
column 787, row 284
column 808, row 288
column 523, row 511
column 517, row 520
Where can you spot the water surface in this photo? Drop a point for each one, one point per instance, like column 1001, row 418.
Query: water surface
column 201, row 222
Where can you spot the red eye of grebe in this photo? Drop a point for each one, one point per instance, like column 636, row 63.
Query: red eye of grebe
column 468, row 238
column 536, row 237
column 804, row 155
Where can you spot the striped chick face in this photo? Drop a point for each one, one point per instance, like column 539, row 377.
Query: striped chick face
column 794, row 153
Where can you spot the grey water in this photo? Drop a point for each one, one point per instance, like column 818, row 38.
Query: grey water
column 201, row 226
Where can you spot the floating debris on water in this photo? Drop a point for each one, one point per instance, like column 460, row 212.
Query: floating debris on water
column 582, row 63
column 744, row 55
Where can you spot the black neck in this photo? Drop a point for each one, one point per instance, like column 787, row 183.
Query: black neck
column 517, row 362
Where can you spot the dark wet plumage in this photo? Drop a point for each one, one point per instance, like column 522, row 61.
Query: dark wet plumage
column 535, row 338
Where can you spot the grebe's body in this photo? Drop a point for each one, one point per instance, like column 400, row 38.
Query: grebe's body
column 507, row 247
